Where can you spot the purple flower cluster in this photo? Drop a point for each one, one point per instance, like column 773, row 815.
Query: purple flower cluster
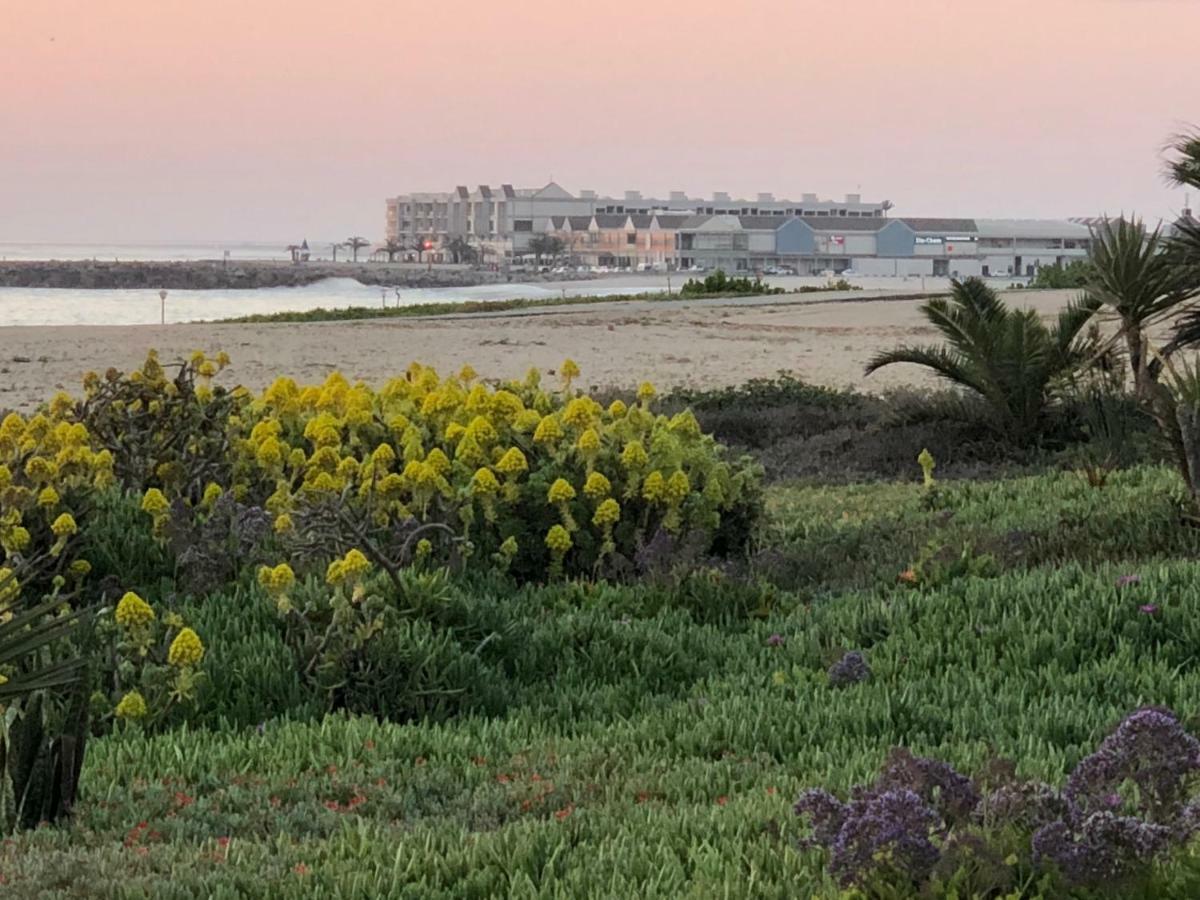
column 1151, row 750
column 951, row 793
column 1027, row 805
column 1102, row 849
column 850, row 669
column 921, row 821
column 890, row 830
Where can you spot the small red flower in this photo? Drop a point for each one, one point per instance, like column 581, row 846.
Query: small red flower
column 420, row 761
column 300, row 869
column 222, row 842
column 332, row 805
column 370, row 745
column 564, row 812
column 503, row 779
column 331, row 770
column 722, row 800
column 480, row 760
column 771, row 791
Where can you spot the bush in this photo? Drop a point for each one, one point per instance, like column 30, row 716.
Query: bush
column 536, row 482
column 921, row 825
column 721, row 285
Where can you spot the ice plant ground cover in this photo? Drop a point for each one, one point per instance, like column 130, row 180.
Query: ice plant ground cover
column 485, row 733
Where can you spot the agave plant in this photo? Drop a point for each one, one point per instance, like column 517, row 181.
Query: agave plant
column 41, row 738
column 1008, row 357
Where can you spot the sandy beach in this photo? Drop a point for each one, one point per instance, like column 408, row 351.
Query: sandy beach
column 697, row 343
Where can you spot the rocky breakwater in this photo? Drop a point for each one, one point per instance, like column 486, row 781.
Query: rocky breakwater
column 210, row 275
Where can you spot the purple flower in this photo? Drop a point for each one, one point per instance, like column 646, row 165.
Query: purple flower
column 951, row 793
column 1024, row 804
column 775, row 640
column 1129, row 580
column 850, row 669
column 1102, row 849
column 1148, row 608
column 891, row 830
column 1149, row 748
column 825, row 814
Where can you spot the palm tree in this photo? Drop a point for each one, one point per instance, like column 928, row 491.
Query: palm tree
column 392, row 247
column 335, row 247
column 1184, row 245
column 421, row 244
column 355, row 244
column 1135, row 279
column 1008, row 357
column 460, row 250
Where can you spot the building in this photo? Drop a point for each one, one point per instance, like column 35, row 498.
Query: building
column 503, row 220
column 905, row 246
column 638, row 241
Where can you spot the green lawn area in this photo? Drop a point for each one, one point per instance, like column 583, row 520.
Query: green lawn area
column 649, row 740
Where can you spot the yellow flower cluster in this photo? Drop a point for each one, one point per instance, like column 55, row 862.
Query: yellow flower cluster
column 131, row 707
column 47, row 465
column 350, row 568
column 133, row 612
column 277, row 581
column 186, row 650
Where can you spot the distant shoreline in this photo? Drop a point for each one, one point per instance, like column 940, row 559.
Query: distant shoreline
column 218, row 274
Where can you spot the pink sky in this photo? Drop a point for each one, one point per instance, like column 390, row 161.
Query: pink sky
column 160, row 120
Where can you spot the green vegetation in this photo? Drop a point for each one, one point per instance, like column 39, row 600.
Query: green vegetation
column 441, row 638
column 720, row 284
column 1007, row 357
column 1075, row 274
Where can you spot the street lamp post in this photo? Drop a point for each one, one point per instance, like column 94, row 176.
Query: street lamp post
column 162, row 300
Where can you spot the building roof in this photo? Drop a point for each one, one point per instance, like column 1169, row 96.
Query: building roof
column 614, row 220
column 579, row 223
column 463, row 192
column 1033, row 228
column 485, row 192
column 940, row 226
column 508, row 190
column 641, row 221
column 762, row 223
column 671, row 220
column 844, row 223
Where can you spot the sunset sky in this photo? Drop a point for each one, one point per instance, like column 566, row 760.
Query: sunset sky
column 167, row 120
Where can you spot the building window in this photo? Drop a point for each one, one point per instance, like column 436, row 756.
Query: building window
column 523, row 225
column 631, row 237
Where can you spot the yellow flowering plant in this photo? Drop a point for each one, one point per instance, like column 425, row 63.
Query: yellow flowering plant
column 158, row 674
column 490, row 462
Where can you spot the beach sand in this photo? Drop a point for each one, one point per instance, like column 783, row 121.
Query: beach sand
column 708, row 343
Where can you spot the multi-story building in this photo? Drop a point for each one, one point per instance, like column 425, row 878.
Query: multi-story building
column 505, row 219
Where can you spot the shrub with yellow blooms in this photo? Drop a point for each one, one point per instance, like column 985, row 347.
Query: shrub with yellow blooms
column 493, row 462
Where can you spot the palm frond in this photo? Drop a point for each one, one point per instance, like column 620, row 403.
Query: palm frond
column 1184, row 169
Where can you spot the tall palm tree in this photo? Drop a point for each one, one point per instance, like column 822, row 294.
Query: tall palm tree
column 1138, row 281
column 1006, row 356
column 355, row 244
